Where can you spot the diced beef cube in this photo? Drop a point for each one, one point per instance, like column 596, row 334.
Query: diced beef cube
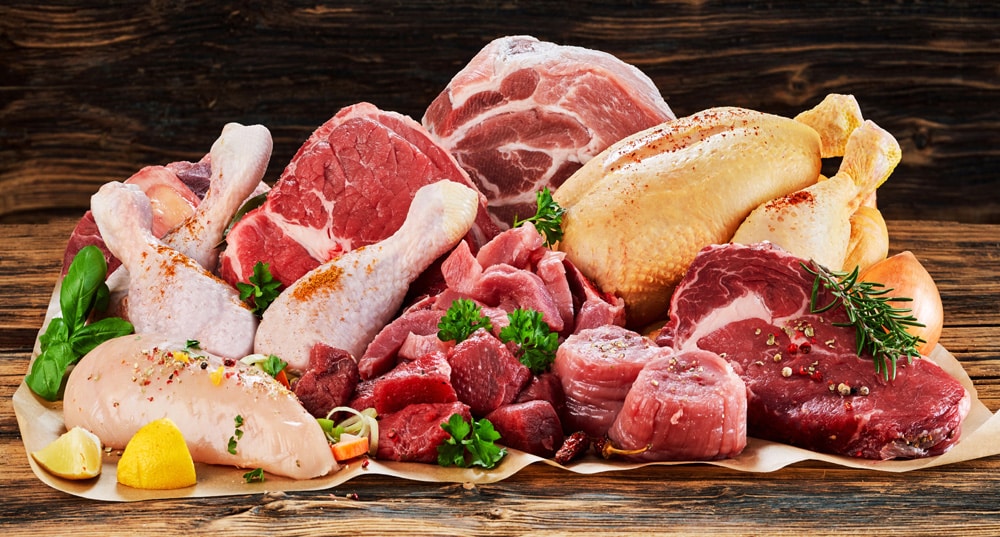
column 485, row 373
column 425, row 380
column 532, row 427
column 329, row 382
column 544, row 387
column 414, row 433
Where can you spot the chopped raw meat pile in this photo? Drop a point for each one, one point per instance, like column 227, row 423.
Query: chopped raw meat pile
column 805, row 383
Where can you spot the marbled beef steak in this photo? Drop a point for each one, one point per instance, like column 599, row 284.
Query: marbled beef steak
column 806, row 385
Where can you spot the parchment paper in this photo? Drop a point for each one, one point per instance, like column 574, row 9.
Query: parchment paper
column 41, row 422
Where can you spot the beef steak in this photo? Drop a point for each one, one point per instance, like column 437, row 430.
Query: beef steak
column 349, row 185
column 806, row 386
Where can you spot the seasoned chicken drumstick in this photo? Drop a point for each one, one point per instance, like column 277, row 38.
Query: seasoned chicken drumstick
column 345, row 301
column 168, row 293
column 239, row 159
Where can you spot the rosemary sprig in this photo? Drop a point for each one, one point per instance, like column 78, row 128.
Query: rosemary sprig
column 880, row 328
column 548, row 217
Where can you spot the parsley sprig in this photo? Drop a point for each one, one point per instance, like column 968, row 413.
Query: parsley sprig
column 537, row 343
column 70, row 337
column 463, row 318
column 470, row 444
column 548, row 217
column 262, row 289
column 880, row 328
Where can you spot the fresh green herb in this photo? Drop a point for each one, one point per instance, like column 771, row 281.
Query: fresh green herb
column 254, row 476
column 879, row 327
column 548, row 217
column 537, row 343
column 237, row 435
column 262, row 289
column 272, row 365
column 470, row 444
column 462, row 319
column 70, row 337
column 248, row 205
column 192, row 345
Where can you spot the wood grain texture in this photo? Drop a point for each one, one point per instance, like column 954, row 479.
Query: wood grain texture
column 91, row 92
column 804, row 499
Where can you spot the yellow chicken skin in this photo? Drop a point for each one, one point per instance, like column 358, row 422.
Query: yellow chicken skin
column 638, row 213
column 816, row 222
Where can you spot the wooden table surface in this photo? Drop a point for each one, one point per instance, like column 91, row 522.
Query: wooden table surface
column 806, row 498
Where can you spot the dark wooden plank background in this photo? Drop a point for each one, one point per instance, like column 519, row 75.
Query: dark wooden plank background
column 93, row 91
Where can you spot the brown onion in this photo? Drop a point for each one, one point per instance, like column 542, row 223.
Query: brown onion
column 904, row 274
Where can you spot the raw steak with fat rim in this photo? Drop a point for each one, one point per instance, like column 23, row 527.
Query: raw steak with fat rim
column 525, row 114
column 805, row 384
column 348, row 186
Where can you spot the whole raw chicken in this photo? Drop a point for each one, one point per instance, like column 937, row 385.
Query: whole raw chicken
column 637, row 214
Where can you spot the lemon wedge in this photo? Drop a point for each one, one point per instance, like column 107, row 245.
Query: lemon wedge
column 157, row 458
column 76, row 454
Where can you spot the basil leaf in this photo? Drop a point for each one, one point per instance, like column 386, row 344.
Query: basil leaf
column 93, row 334
column 49, row 369
column 85, row 276
column 56, row 332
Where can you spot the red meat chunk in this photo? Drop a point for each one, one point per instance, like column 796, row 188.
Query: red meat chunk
column 414, row 433
column 532, row 427
column 485, row 373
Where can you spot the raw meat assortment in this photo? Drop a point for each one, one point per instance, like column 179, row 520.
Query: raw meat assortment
column 683, row 407
column 806, row 385
column 525, row 114
column 129, row 381
column 379, row 223
column 349, row 185
column 346, row 301
column 168, row 293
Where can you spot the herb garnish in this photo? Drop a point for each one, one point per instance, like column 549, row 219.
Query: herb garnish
column 262, row 289
column 70, row 337
column 254, row 476
column 548, row 217
column 537, row 342
column 470, row 444
column 231, row 448
column 879, row 327
column 462, row 319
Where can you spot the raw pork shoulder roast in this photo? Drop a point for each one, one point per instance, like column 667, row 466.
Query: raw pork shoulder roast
column 525, row 114
column 806, row 385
